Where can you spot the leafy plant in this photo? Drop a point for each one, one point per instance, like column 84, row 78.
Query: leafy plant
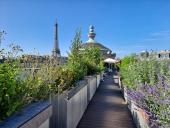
column 92, row 59
column 75, row 62
column 12, row 88
column 28, row 78
column 148, row 81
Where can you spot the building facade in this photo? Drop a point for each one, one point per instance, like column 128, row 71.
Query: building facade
column 163, row 54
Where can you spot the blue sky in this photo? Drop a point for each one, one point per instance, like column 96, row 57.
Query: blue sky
column 125, row 26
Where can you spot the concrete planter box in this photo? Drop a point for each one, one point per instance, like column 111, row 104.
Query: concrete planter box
column 120, row 83
column 92, row 86
column 101, row 76
column 125, row 95
column 140, row 117
column 98, row 80
column 36, row 115
column 69, row 107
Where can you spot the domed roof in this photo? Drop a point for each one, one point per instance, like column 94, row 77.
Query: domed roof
column 92, row 42
column 97, row 45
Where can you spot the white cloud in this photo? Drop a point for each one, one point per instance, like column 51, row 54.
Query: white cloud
column 155, row 36
column 161, row 34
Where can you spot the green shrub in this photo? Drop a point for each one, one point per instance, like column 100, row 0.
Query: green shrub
column 151, row 78
column 91, row 57
column 20, row 86
column 127, row 71
column 75, row 62
column 12, row 89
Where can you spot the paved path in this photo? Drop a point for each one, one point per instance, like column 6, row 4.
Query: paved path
column 107, row 108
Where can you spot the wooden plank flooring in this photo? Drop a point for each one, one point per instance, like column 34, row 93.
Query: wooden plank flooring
column 107, row 108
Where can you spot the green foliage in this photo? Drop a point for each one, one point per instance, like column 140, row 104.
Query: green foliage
column 125, row 67
column 74, row 55
column 128, row 60
column 154, row 77
column 92, row 59
column 137, row 72
column 21, row 85
column 84, row 62
column 12, row 89
column 75, row 63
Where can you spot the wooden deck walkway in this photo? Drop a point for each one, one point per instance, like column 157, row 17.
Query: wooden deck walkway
column 107, row 108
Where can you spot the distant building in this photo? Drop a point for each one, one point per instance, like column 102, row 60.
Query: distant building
column 144, row 54
column 106, row 52
column 30, row 61
column 163, row 54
